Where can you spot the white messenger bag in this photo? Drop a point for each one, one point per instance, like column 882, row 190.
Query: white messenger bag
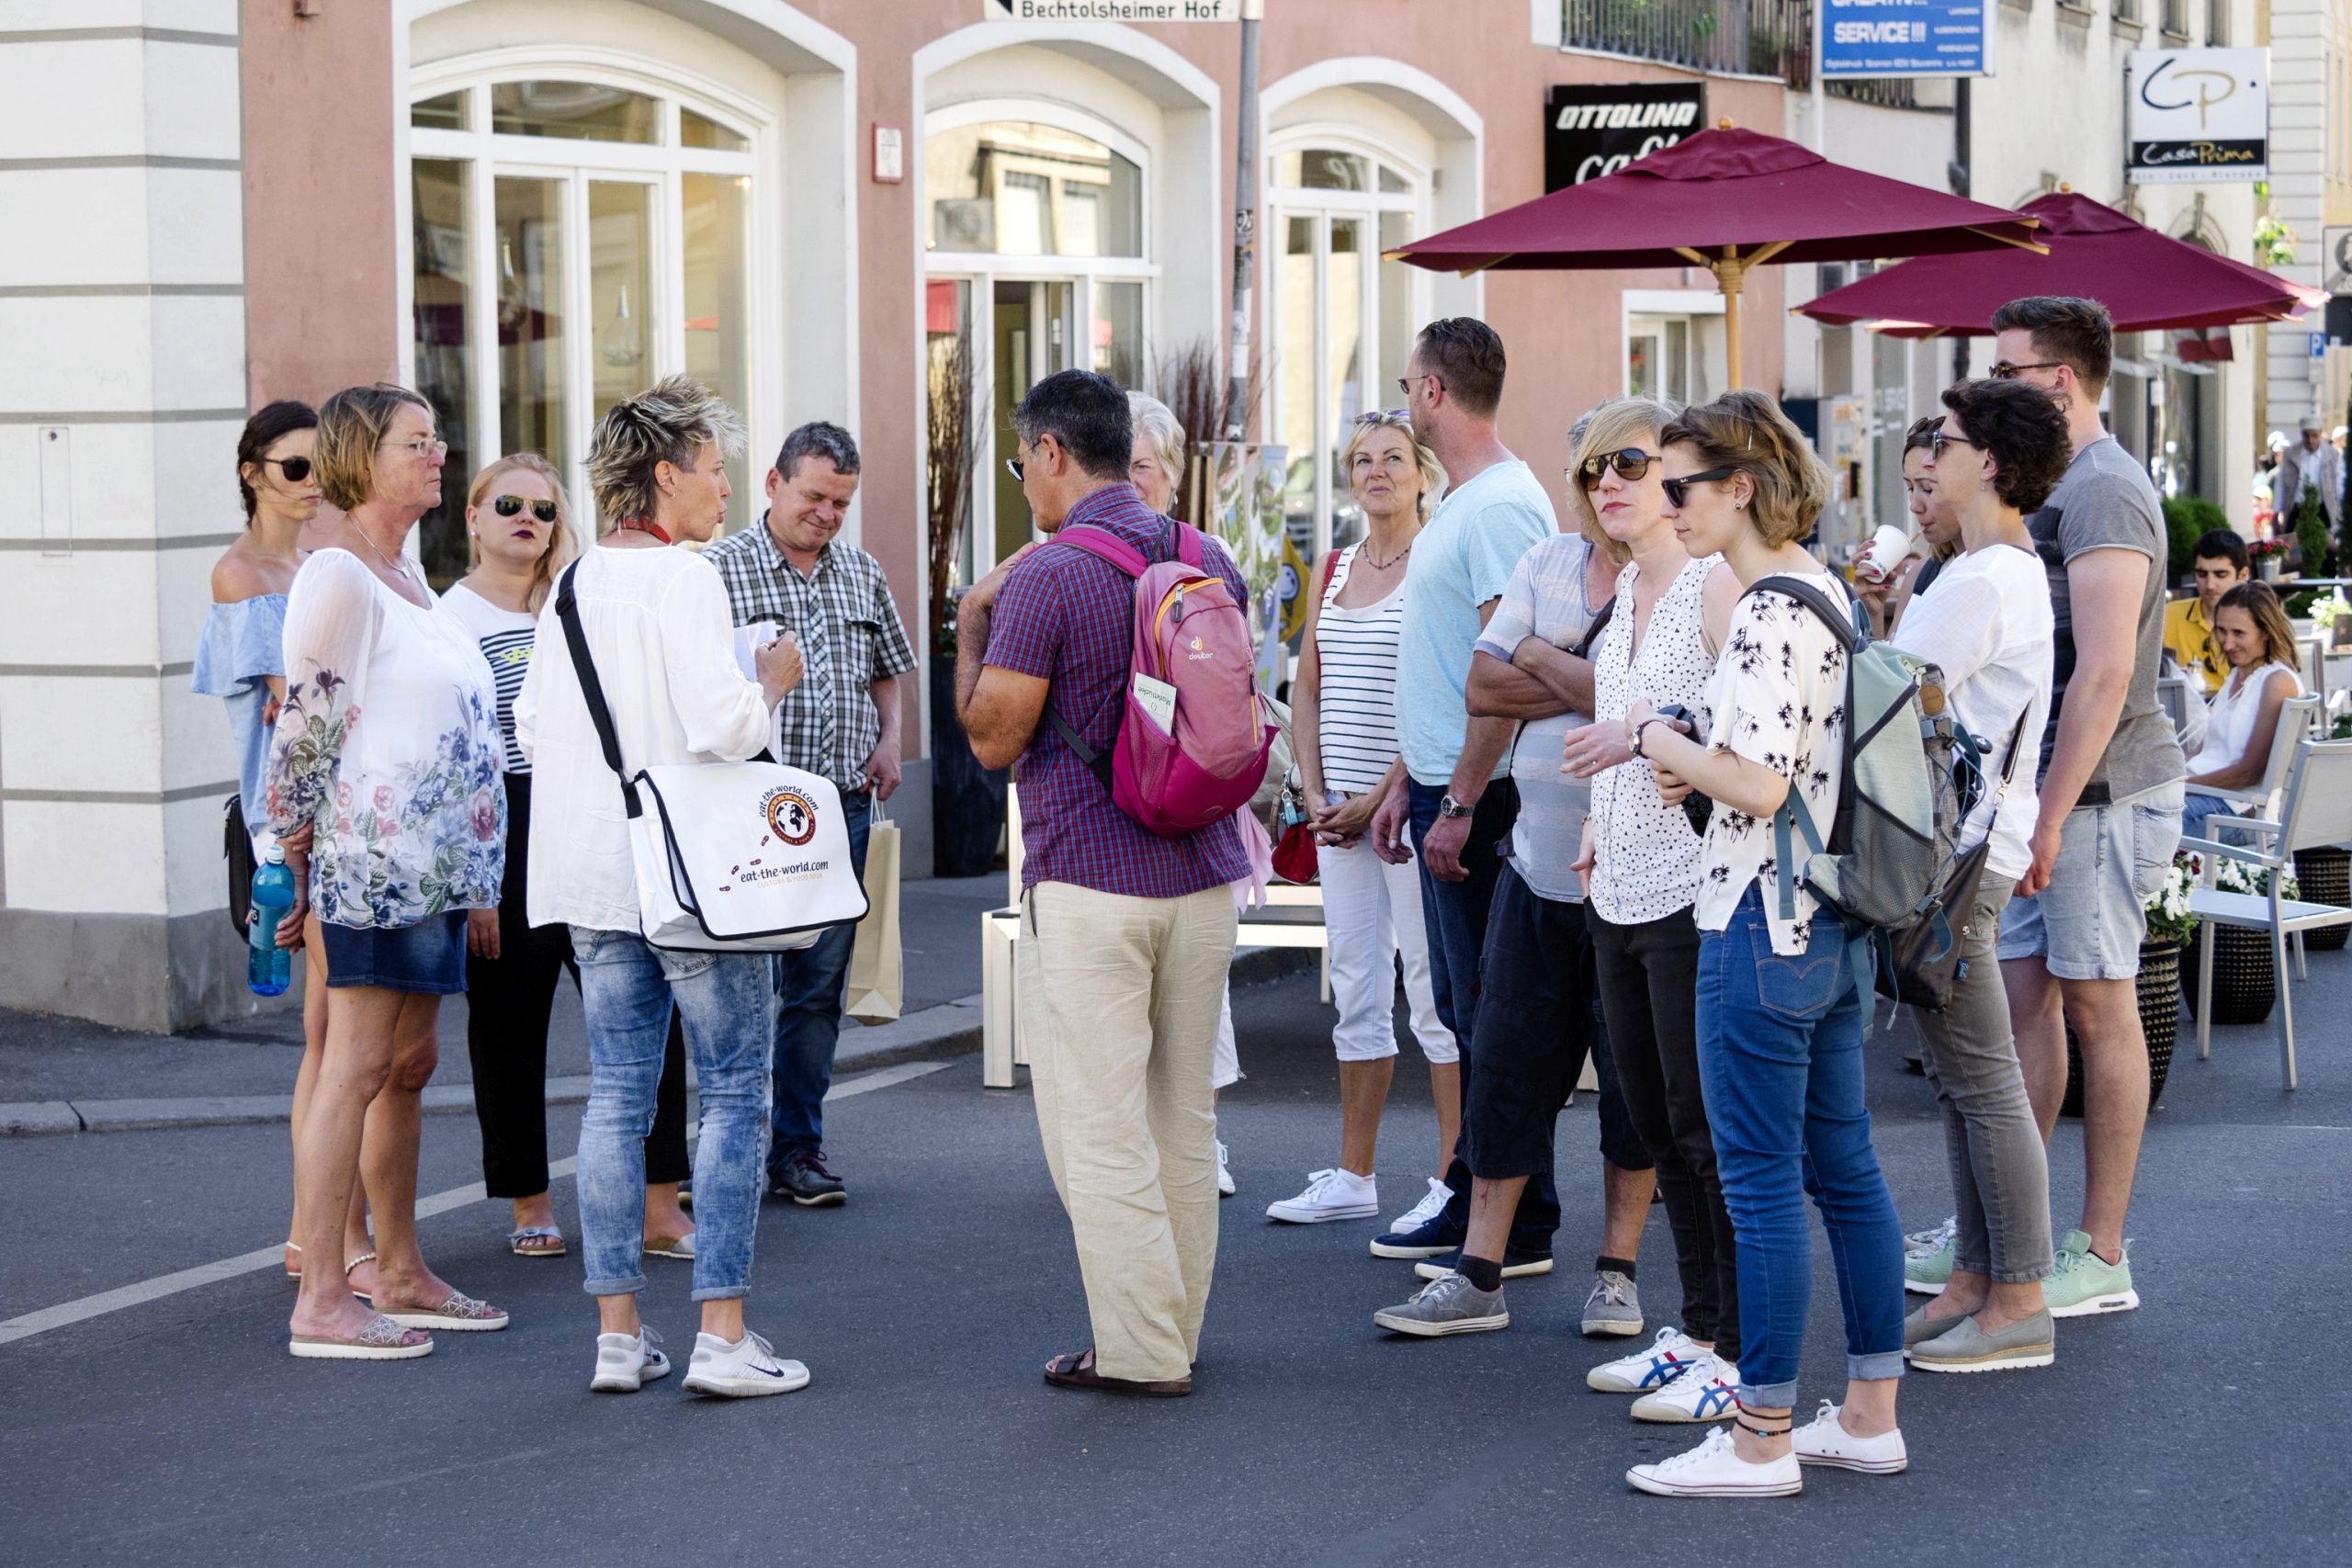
column 731, row 857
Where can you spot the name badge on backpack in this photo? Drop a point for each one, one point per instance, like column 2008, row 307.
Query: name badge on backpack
column 1157, row 699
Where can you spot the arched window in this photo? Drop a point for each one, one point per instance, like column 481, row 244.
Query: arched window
column 1340, row 319
column 1037, row 258
column 577, row 235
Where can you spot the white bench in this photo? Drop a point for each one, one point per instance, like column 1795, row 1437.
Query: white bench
column 1292, row 917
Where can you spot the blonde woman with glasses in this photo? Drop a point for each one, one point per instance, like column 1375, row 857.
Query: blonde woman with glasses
column 1343, row 727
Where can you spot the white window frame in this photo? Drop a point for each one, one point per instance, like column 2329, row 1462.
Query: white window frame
column 662, row 165
column 983, row 270
column 1284, row 202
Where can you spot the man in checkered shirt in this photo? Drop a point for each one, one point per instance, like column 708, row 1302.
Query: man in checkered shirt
column 842, row 721
column 1124, row 935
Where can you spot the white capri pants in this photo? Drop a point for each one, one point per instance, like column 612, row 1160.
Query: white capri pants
column 1372, row 914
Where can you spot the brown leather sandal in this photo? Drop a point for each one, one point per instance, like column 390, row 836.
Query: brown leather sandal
column 1077, row 1370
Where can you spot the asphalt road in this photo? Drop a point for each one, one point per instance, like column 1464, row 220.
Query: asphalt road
column 2199, row 1429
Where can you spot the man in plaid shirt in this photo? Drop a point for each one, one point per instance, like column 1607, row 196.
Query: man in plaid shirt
column 843, row 722
column 1126, row 936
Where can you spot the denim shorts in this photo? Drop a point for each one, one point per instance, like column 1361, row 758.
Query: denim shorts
column 428, row 957
column 2087, row 925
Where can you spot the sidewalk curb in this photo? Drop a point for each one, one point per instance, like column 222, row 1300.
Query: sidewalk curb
column 935, row 1033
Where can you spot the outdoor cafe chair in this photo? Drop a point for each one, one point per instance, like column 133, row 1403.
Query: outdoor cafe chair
column 2317, row 811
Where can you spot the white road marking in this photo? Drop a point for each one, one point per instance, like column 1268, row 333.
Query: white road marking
column 273, row 1257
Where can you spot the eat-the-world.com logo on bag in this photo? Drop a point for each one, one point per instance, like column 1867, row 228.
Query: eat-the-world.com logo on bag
column 791, row 818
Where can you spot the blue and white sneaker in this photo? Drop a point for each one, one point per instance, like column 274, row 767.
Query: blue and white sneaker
column 1519, row 1262
column 1707, row 1392
column 1664, row 1360
column 1432, row 1238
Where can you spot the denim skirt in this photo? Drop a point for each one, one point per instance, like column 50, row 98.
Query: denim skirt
column 428, row 957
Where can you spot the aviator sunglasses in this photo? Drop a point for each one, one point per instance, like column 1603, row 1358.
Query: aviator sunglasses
column 1630, row 462
column 511, row 506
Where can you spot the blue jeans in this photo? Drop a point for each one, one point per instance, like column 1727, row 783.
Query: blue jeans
column 1455, row 916
column 1781, row 1061
column 808, row 990
column 627, row 988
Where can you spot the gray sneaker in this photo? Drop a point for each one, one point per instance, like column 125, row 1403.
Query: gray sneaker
column 1965, row 1348
column 1614, row 1306
column 1926, row 1323
column 1450, row 1306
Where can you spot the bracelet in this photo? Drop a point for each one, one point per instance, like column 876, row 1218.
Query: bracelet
column 1636, row 744
column 1740, row 1420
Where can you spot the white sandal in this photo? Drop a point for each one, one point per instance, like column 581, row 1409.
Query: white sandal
column 368, row 1296
column 296, row 1248
column 381, row 1340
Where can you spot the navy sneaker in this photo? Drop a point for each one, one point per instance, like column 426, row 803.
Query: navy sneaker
column 1431, row 1238
column 1517, row 1263
column 805, row 1180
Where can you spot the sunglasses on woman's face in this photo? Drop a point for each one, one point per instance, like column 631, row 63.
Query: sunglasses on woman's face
column 1940, row 439
column 296, row 469
column 511, row 506
column 1631, row 463
column 1678, row 491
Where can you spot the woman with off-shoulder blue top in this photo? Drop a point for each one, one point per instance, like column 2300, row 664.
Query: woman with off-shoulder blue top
column 241, row 660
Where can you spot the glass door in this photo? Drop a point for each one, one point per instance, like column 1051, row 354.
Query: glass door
column 1030, row 338
column 1327, row 302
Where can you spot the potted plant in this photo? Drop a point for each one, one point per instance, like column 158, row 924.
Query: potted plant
column 2270, row 556
column 966, row 800
column 2171, row 926
column 2246, row 980
column 2311, row 533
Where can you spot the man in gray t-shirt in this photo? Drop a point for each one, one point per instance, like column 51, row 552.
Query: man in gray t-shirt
column 2110, row 796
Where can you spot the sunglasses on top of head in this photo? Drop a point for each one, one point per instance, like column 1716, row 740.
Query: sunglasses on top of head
column 511, row 506
column 1631, row 463
column 296, row 469
column 1678, row 491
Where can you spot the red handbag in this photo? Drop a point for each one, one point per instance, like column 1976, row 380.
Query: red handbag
column 1294, row 850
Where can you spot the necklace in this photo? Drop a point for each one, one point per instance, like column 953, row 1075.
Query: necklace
column 399, row 568
column 642, row 526
column 1377, row 564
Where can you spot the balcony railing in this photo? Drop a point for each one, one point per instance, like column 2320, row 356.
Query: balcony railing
column 1749, row 37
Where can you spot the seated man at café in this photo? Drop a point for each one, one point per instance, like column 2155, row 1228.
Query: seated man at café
column 2219, row 559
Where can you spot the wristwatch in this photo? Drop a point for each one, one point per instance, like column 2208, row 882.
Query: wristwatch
column 1448, row 806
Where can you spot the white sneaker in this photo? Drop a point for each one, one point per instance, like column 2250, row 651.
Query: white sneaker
column 1707, row 1392
column 1664, row 1358
column 1714, row 1469
column 744, row 1369
column 1224, row 1172
column 1822, row 1440
column 1330, row 1195
column 626, row 1362
column 1432, row 1205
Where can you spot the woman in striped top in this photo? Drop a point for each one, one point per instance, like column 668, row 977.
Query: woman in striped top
column 1343, row 725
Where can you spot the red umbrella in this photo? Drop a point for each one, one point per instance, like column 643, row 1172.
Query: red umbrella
column 2148, row 282
column 1726, row 200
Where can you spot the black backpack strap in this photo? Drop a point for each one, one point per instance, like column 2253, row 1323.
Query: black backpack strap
column 1839, row 622
column 567, row 610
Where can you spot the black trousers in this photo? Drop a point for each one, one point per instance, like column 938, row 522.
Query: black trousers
column 508, row 1000
column 1648, row 975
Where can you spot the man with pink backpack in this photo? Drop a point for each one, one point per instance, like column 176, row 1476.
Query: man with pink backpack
column 1111, row 663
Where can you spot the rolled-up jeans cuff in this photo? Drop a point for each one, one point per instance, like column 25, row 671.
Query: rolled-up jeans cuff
column 1771, row 1396
column 627, row 1287
column 722, row 1294
column 2033, row 1274
column 1876, row 1367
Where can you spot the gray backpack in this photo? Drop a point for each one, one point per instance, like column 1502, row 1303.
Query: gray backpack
column 1911, row 777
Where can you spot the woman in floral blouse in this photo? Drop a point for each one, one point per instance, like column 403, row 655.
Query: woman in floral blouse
column 1779, row 1017
column 386, row 760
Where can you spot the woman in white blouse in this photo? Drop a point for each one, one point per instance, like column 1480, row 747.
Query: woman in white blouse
column 386, row 764
column 1780, row 1018
column 1641, row 868
column 2254, row 634
column 656, row 626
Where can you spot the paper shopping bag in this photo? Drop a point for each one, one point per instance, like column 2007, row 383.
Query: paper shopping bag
column 876, row 963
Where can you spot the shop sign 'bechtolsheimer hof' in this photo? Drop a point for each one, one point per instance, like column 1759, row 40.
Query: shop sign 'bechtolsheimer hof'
column 1593, row 129
column 2198, row 116
column 1111, row 10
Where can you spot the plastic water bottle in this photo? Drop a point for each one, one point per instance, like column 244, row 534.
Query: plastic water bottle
column 269, row 968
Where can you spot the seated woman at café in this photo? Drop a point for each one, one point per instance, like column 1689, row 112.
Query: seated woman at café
column 2251, row 630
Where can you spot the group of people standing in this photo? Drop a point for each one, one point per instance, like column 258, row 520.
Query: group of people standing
column 392, row 741
column 1543, row 770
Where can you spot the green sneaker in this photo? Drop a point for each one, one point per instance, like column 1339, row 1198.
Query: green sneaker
column 1927, row 1259
column 2083, row 1283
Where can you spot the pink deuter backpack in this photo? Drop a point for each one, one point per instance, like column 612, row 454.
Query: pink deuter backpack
column 1193, row 732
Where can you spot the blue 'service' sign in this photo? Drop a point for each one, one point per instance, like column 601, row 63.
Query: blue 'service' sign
column 1907, row 37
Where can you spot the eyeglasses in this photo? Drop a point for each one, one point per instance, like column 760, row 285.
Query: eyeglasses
column 1678, row 491
column 426, row 446
column 2003, row 371
column 1631, row 463
column 1405, row 383
column 296, row 469
column 511, row 506
column 1938, row 440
